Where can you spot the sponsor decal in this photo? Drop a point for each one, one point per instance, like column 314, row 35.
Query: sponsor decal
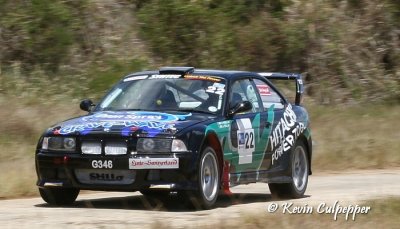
column 216, row 88
column 285, row 133
column 266, row 73
column 102, row 176
column 154, row 163
column 300, row 81
column 209, row 78
column 153, row 122
column 212, row 109
column 224, row 124
column 136, row 78
column 105, row 177
column 263, row 90
column 241, row 140
column 170, row 76
column 246, row 141
column 136, row 116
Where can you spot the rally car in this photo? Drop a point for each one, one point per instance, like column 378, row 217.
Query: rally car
column 182, row 130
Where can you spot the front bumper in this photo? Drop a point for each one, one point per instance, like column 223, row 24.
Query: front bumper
column 116, row 173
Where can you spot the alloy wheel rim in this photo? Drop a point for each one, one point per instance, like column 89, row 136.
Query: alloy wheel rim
column 299, row 169
column 209, row 176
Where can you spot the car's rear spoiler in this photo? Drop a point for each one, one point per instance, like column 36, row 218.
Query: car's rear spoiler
column 288, row 76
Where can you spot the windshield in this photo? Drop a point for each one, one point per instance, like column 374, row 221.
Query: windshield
column 195, row 93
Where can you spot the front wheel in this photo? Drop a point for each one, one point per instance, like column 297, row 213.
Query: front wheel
column 208, row 181
column 59, row 196
column 299, row 168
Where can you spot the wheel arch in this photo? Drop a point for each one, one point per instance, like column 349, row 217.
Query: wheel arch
column 307, row 143
column 212, row 140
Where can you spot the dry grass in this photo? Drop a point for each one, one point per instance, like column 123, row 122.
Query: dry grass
column 356, row 137
column 384, row 212
column 20, row 128
column 18, row 177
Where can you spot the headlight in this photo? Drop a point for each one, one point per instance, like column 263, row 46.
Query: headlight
column 115, row 148
column 156, row 145
column 59, row 143
column 91, row 147
column 159, row 145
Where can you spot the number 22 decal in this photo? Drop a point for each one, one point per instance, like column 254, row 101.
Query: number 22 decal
column 249, row 140
column 246, row 140
column 216, row 90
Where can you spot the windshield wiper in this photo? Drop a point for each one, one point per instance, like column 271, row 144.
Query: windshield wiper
column 113, row 109
column 133, row 109
column 196, row 111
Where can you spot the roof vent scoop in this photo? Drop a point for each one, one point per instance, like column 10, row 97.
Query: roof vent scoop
column 176, row 70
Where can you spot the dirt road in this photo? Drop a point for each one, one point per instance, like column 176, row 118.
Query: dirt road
column 131, row 210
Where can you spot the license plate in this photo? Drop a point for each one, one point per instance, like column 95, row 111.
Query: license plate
column 102, row 164
column 153, row 163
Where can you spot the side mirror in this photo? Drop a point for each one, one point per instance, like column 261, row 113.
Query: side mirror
column 86, row 105
column 241, row 107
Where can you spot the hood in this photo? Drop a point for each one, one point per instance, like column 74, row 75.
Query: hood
column 126, row 123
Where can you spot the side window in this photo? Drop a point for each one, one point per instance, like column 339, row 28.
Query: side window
column 243, row 90
column 268, row 95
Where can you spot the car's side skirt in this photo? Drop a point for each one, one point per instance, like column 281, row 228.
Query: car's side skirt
column 258, row 176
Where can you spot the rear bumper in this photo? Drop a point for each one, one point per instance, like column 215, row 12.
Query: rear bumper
column 77, row 171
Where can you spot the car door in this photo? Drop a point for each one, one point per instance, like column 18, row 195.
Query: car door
column 245, row 127
column 274, row 107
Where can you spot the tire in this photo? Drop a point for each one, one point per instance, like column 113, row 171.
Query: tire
column 59, row 196
column 208, row 181
column 299, row 167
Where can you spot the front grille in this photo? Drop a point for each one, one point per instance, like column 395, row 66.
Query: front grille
column 105, row 176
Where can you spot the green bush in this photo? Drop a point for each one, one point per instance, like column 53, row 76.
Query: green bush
column 102, row 78
column 38, row 32
column 175, row 29
column 348, row 50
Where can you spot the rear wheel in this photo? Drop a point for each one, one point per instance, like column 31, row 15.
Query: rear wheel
column 299, row 173
column 59, row 196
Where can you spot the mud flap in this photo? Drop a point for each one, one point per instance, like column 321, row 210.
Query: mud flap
column 225, row 179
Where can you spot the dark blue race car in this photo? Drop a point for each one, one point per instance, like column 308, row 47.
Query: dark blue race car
column 189, row 131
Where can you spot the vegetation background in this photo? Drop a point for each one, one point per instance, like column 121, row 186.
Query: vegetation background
column 53, row 53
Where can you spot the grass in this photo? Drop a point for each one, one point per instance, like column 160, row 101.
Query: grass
column 362, row 137
column 20, row 129
column 345, row 138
